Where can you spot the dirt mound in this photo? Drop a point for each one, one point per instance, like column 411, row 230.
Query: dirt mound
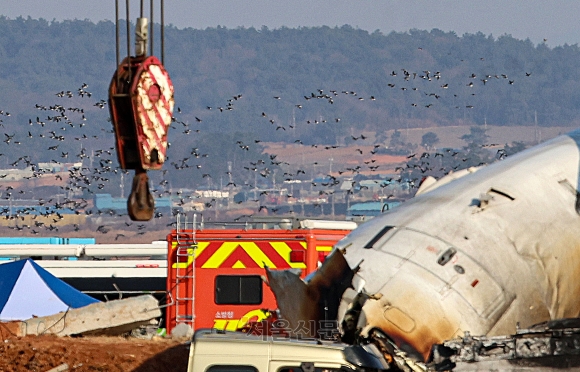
column 42, row 353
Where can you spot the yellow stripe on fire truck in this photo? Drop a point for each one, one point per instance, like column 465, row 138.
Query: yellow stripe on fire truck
column 253, row 251
column 227, row 248
column 192, row 252
column 284, row 251
column 256, row 315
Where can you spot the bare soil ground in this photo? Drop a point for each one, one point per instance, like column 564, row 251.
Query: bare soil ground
column 328, row 157
column 341, row 157
column 42, row 353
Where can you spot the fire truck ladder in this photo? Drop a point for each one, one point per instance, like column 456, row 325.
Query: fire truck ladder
column 185, row 274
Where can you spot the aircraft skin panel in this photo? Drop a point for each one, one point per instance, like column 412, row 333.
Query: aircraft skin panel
column 387, row 265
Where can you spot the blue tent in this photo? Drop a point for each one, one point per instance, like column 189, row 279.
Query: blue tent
column 28, row 290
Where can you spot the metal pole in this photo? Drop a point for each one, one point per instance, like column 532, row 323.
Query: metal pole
column 141, row 9
column 128, row 42
column 152, row 36
column 117, row 40
column 193, row 286
column 141, row 35
column 162, row 33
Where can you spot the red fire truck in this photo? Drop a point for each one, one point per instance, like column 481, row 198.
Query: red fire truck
column 215, row 276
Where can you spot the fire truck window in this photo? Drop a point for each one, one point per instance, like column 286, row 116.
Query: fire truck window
column 238, row 290
column 232, row 369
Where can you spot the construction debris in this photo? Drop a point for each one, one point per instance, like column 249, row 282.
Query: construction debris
column 552, row 345
column 102, row 318
column 61, row 368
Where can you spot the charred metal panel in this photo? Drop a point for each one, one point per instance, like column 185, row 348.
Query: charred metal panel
column 309, row 303
column 549, row 346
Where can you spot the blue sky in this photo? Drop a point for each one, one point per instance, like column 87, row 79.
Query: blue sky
column 558, row 21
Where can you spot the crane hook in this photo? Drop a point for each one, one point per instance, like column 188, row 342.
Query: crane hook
column 140, row 204
column 141, row 107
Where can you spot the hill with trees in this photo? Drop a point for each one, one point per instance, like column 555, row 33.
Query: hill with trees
column 236, row 88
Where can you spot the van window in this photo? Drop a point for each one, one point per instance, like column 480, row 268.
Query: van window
column 238, row 290
column 231, row 369
column 315, row 369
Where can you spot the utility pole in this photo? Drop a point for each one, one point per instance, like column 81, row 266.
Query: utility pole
column 293, row 121
column 536, row 137
column 255, row 185
column 331, row 196
column 122, row 184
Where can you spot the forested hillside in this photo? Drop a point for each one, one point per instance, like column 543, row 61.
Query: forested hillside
column 310, row 85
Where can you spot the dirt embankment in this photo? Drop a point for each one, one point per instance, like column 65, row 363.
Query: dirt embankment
column 42, row 353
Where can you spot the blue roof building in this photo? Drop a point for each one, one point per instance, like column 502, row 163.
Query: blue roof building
column 365, row 211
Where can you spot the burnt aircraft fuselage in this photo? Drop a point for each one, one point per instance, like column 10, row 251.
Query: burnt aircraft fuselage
column 494, row 248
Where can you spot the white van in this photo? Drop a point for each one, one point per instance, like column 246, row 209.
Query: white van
column 215, row 351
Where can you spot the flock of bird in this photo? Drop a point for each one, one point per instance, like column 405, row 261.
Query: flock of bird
column 63, row 122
